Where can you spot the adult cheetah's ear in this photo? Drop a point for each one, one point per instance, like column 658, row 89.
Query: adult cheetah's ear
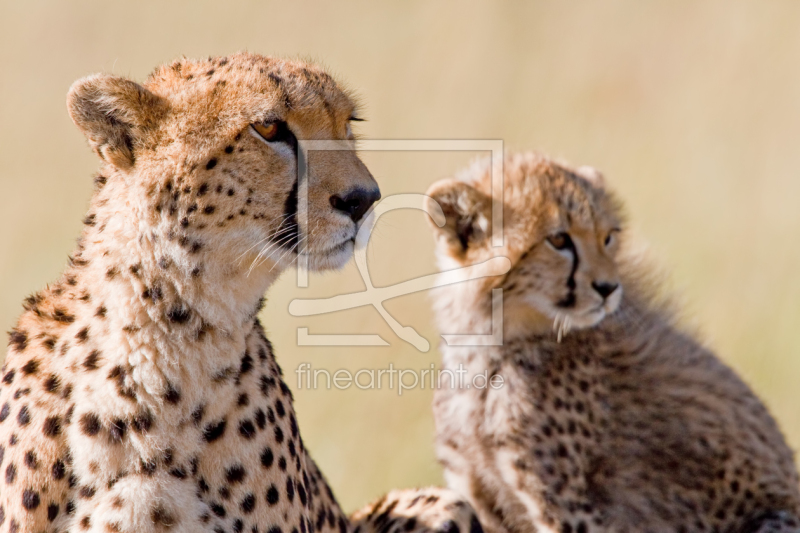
column 115, row 114
column 468, row 214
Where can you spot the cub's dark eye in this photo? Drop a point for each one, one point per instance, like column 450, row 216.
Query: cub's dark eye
column 610, row 236
column 560, row 241
column 275, row 131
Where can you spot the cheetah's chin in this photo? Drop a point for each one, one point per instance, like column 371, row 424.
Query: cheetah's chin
column 333, row 258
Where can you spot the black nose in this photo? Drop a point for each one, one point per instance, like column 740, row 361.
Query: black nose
column 604, row 289
column 356, row 202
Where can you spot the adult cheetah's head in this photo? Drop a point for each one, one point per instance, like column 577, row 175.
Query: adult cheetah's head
column 207, row 151
column 561, row 231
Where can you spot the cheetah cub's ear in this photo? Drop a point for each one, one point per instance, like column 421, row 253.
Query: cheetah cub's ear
column 592, row 175
column 468, row 214
column 115, row 114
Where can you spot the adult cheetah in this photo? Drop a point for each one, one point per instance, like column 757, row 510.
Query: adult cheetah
column 624, row 424
column 139, row 393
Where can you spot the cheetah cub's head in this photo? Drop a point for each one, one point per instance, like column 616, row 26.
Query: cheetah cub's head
column 205, row 154
column 561, row 232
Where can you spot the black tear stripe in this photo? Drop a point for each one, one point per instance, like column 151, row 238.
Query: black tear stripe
column 288, row 233
column 570, row 299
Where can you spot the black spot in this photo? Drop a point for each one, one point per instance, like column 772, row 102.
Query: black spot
column 213, row 431
column 160, row 515
column 116, row 430
column 272, row 495
column 30, row 460
column 261, row 419
column 218, row 510
column 11, row 473
column 18, row 339
column 247, row 364
column 211, row 162
column 200, row 192
column 59, row 470
column 143, row 421
column 172, row 395
column 52, row 426
column 30, row 499
column 197, row 414
column 247, row 429
column 235, row 474
column 24, row 416
column 91, row 360
column 278, row 434
column 267, row 458
column 179, row 473
column 90, row 424
column 86, row 492
column 209, row 209
column 238, row 525
column 178, row 314
column 4, row 412
column 8, row 379
column 52, row 383
column 31, row 367
column 290, row 489
column 82, row 335
column 248, row 504
column 243, row 400
column 59, row 315
column 301, row 492
column 280, row 409
column 148, row 467
column 52, row 512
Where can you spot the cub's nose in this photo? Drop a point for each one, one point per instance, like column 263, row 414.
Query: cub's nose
column 604, row 289
column 355, row 202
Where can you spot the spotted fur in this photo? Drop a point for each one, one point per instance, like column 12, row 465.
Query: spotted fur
column 625, row 423
column 432, row 509
column 140, row 393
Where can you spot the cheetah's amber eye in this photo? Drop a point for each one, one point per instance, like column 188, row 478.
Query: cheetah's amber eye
column 268, row 130
column 560, row 241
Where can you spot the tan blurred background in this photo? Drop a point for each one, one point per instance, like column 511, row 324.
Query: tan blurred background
column 692, row 109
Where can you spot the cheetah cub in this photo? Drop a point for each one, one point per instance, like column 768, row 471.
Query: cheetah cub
column 614, row 421
column 140, row 393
